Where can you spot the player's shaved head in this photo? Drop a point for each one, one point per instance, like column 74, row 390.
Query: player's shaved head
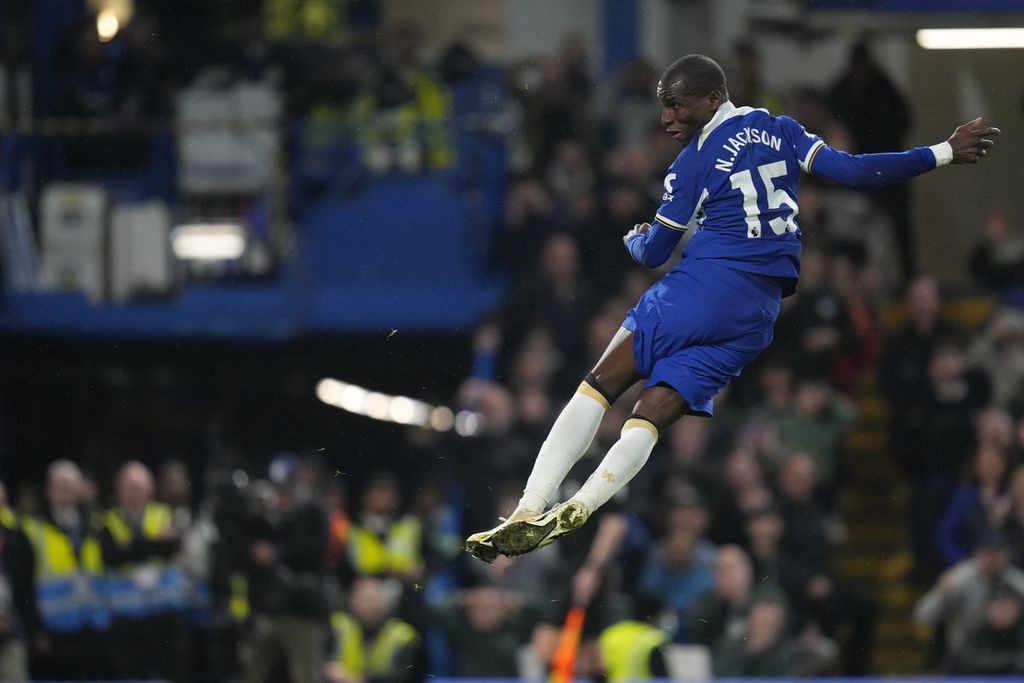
column 695, row 75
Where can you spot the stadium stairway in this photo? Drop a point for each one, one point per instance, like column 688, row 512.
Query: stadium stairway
column 875, row 553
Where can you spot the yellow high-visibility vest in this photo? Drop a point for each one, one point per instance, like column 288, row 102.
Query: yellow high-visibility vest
column 151, row 587
column 69, row 586
column 626, row 648
column 398, row 551
column 358, row 659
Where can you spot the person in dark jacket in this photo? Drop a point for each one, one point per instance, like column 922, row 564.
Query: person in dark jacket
column 286, row 580
column 996, row 646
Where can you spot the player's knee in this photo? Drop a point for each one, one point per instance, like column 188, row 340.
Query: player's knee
column 638, row 421
column 592, row 388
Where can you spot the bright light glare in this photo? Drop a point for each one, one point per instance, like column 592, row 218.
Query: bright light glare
column 352, row 398
column 467, row 423
column 970, row 38
column 377, row 405
column 407, row 411
column 442, row 419
column 398, row 409
column 208, row 241
column 330, row 391
column 107, row 25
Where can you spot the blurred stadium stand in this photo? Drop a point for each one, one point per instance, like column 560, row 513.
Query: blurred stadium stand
column 206, row 208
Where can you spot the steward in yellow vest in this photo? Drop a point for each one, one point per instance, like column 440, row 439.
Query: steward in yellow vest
column 378, row 543
column 632, row 649
column 141, row 582
column 144, row 588
column 369, row 643
column 627, row 649
column 68, row 582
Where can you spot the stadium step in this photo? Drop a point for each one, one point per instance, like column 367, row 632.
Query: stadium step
column 874, row 555
column 876, row 501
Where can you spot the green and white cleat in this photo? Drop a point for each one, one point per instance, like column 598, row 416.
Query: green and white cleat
column 524, row 536
column 479, row 545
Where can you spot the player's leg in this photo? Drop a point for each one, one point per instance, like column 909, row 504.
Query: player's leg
column 570, row 436
column 656, row 409
column 577, row 424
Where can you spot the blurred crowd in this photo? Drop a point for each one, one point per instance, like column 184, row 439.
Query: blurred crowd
column 723, row 543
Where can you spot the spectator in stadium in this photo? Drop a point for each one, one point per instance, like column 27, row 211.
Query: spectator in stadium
column 625, row 104
column 65, row 539
column 441, row 536
column 402, row 120
column 977, row 505
column 382, row 541
column 761, row 647
column 369, row 643
column 996, row 646
column 818, row 419
column 903, row 376
column 528, row 220
column 815, row 327
column 723, row 608
column 19, row 618
column 146, row 589
column 746, row 81
column 287, row 591
column 557, row 298
column 485, row 627
column 878, row 117
column 634, row 649
column 999, row 351
column 678, row 569
column 806, row 539
column 958, row 599
column 955, row 396
column 745, row 490
column 773, row 564
column 998, row 260
column 624, row 202
column 857, row 281
column 1012, row 523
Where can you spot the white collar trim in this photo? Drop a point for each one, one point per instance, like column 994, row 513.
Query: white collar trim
column 726, row 111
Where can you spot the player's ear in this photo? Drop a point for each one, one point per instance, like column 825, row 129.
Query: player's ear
column 715, row 99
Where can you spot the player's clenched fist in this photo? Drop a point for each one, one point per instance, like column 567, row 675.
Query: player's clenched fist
column 638, row 229
column 970, row 141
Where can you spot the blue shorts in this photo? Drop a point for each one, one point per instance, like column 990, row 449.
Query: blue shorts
column 699, row 326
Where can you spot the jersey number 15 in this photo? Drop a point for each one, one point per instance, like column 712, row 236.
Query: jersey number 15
column 777, row 198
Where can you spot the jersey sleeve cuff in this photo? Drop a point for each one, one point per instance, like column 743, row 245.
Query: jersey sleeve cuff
column 943, row 153
column 669, row 223
column 805, row 164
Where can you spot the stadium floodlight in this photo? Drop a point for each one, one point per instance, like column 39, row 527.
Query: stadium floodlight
column 107, row 25
column 398, row 409
column 208, row 241
column 970, row 38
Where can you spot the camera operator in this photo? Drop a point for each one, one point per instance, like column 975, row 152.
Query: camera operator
column 286, row 581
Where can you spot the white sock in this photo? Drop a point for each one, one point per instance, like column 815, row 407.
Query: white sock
column 624, row 459
column 568, row 440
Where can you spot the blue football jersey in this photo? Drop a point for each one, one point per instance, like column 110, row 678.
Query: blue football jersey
column 736, row 184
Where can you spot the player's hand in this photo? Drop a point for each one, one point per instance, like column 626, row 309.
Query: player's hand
column 638, row 229
column 970, row 142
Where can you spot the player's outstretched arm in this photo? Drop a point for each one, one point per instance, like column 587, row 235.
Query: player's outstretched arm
column 967, row 145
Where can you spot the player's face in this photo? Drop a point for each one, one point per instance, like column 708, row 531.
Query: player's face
column 684, row 113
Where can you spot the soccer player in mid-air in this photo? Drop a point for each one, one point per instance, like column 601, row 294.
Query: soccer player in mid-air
column 735, row 183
